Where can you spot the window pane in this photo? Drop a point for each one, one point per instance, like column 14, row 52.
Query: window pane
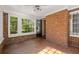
column 74, row 18
column 13, row 24
column 24, row 25
column 27, row 25
column 76, row 23
column 31, row 26
column 77, row 28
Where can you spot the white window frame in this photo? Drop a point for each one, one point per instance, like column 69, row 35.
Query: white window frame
column 19, row 26
column 71, row 25
column 9, row 34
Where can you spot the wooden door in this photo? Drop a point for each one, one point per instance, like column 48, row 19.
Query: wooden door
column 5, row 26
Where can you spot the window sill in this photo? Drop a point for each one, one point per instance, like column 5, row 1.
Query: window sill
column 74, row 35
column 21, row 34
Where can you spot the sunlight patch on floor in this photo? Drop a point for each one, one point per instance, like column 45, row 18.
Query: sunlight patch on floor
column 49, row 50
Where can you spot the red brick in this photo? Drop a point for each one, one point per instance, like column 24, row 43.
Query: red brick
column 57, row 27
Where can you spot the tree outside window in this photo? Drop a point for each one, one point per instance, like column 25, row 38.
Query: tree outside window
column 24, row 25
column 31, row 26
column 27, row 25
column 13, row 24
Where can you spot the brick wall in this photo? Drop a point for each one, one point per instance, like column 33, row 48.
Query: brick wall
column 74, row 41
column 57, row 27
column 19, row 39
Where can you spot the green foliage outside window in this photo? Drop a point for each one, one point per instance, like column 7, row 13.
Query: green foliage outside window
column 24, row 25
column 31, row 26
column 13, row 24
column 27, row 25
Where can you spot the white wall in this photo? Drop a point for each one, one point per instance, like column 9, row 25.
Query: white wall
column 20, row 15
column 1, row 27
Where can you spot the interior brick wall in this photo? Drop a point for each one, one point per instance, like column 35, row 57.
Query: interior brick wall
column 18, row 39
column 74, row 41
column 57, row 27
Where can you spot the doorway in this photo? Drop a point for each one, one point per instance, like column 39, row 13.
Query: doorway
column 5, row 27
column 39, row 28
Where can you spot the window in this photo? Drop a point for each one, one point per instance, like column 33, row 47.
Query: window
column 18, row 26
column 27, row 25
column 30, row 26
column 75, row 24
column 13, row 24
column 24, row 25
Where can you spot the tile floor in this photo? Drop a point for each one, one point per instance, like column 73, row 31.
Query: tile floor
column 39, row 46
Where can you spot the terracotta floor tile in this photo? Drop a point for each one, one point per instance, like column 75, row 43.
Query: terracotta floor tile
column 38, row 46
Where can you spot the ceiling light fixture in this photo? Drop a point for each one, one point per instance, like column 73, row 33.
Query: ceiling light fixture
column 37, row 8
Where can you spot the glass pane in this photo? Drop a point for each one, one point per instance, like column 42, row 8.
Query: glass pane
column 77, row 28
column 24, row 25
column 74, row 18
column 13, row 24
column 31, row 26
column 76, row 23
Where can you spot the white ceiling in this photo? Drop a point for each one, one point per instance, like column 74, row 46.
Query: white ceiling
column 28, row 9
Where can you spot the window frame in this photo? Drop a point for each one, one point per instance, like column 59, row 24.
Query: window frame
column 71, row 25
column 9, row 34
column 16, row 25
column 19, row 27
column 28, row 23
column 22, row 26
